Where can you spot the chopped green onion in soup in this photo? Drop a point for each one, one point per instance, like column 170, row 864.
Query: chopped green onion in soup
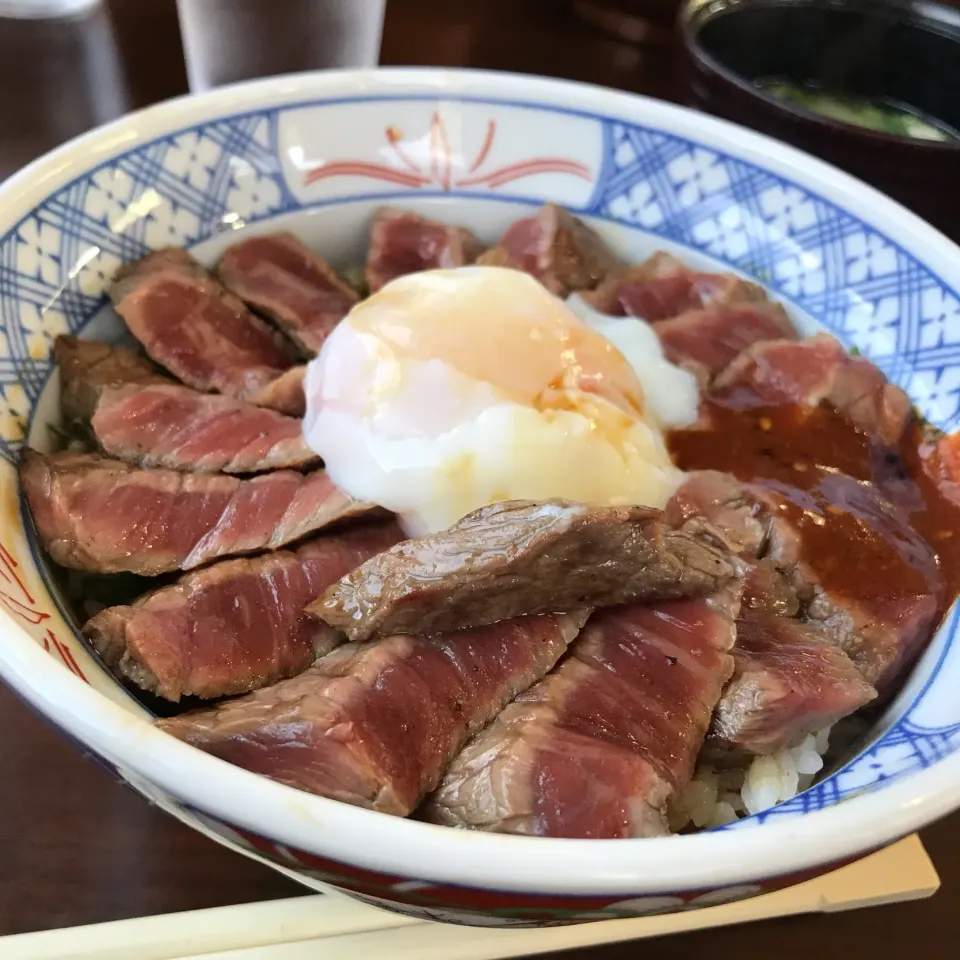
column 879, row 115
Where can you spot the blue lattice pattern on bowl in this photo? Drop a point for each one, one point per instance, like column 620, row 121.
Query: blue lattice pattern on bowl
column 191, row 184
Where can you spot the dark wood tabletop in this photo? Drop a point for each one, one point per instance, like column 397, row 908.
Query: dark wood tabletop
column 76, row 847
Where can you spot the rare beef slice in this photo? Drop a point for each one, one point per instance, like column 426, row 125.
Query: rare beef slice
column 790, row 680
column 375, row 724
column 557, row 248
column 106, row 516
column 403, row 242
column 169, row 425
column 204, row 335
column 87, row 367
column 283, row 279
column 234, row 626
column 596, row 748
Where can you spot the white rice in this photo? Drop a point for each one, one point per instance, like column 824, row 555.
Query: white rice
column 716, row 796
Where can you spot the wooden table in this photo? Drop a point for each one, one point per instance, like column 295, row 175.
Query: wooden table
column 75, row 847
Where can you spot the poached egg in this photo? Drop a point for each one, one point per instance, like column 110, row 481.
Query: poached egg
column 448, row 390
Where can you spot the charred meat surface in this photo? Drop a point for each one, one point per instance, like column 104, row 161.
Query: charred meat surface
column 596, row 748
column 283, row 279
column 169, row 425
column 732, row 508
column 285, row 394
column 106, row 516
column 662, row 287
column 189, row 324
column 235, row 626
column 403, row 242
column 522, row 557
column 789, row 680
column 376, row 724
column 87, row 367
column 557, row 248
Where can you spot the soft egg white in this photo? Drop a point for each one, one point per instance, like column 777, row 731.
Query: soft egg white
column 672, row 392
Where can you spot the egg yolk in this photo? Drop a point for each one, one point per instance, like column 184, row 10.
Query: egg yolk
column 502, row 328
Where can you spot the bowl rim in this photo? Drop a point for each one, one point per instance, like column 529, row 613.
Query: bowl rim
column 432, row 853
column 698, row 13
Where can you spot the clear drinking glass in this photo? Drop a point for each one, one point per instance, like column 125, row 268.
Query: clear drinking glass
column 229, row 40
column 636, row 21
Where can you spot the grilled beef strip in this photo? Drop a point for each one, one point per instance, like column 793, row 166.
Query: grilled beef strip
column 557, row 248
column 403, row 242
column 103, row 515
column 790, row 680
column 142, row 417
column 883, row 629
column 817, row 369
column 707, row 340
column 662, row 287
column 596, row 748
column 173, row 426
column 375, row 724
column 87, row 367
column 523, row 557
column 282, row 278
column 234, row 626
column 204, row 335
column 939, row 455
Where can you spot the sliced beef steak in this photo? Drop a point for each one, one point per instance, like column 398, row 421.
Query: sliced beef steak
column 87, row 366
column 882, row 635
column 189, row 324
column 706, row 341
column 596, row 748
column 939, row 455
column 376, row 724
column 877, row 407
column 850, row 558
column 562, row 252
column 403, row 242
column 285, row 394
column 784, row 371
column 169, row 425
column 768, row 590
column 103, row 515
column 663, row 287
column 282, row 278
column 522, row 557
column 814, row 370
column 789, row 680
column 861, row 572
column 235, row 626
column 738, row 512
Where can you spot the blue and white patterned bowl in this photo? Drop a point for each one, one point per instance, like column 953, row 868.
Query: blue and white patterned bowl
column 316, row 153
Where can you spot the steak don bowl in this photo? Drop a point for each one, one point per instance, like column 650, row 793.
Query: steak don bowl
column 316, row 156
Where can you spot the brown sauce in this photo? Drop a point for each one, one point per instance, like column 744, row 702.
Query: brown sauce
column 935, row 517
column 825, row 474
column 854, row 542
column 787, row 443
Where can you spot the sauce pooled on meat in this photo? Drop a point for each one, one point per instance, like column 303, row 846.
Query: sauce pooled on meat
column 800, row 453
